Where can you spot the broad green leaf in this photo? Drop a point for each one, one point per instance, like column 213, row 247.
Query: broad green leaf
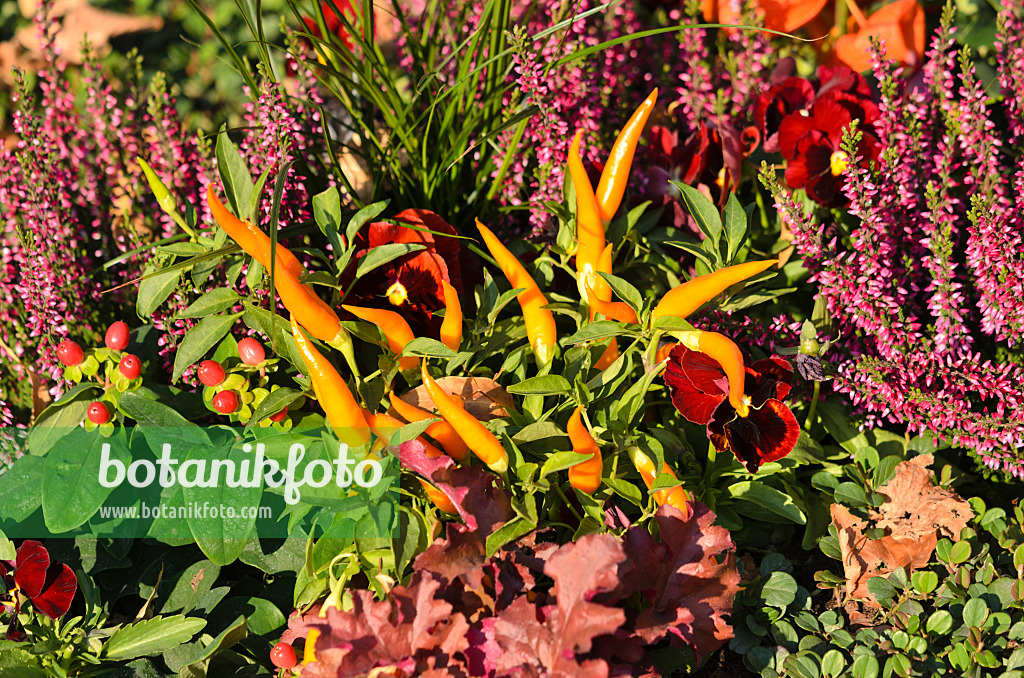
column 151, row 636
column 212, row 302
column 779, row 589
column 704, row 213
column 756, row 495
column 327, row 213
column 599, row 329
column 222, row 537
column 236, row 632
column 192, row 584
column 363, row 216
column 735, row 227
column 836, row 421
column 272, row 404
column 72, row 491
column 234, row 175
column 21, row 490
column 549, row 384
column 429, row 348
column 559, row 461
column 200, row 339
column 261, row 615
column 154, row 290
column 623, row 290
column 881, row 588
column 384, row 254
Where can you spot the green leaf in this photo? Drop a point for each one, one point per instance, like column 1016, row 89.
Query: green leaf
column 761, row 496
column 833, row 663
column 155, row 414
column 362, row 216
column 232, row 635
column 703, row 211
column 154, row 290
column 508, row 532
column 212, row 302
column 881, row 588
column 261, row 615
column 735, row 227
column 975, row 612
column 695, row 249
column 151, row 636
column 599, row 329
column 327, row 210
column 200, row 339
column 234, row 175
column 671, row 323
column 960, row 552
column 623, row 290
column 72, row 491
column 939, row 622
column 273, row 403
column 836, row 421
column 779, row 589
column 924, row 582
column 429, row 348
column 222, row 537
column 21, row 490
column 384, row 254
column 864, row 666
column 559, row 461
column 850, row 494
column 192, row 584
column 549, row 384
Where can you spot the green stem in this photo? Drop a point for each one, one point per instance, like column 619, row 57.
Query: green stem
column 809, row 421
column 558, row 488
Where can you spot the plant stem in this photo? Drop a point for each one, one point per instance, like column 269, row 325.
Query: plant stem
column 565, row 499
column 809, row 421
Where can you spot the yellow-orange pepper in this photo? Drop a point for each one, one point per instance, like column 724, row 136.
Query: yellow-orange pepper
column 540, row 322
column 589, row 227
column 684, row 299
column 676, row 496
column 612, row 185
column 585, row 476
column 396, row 330
column 439, row 498
column 250, row 238
column 441, row 431
column 451, row 327
column 481, row 441
column 726, row 353
column 343, row 412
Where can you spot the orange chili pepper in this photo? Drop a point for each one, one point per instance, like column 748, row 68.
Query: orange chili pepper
column 676, row 496
column 540, row 322
column 251, row 238
column 585, row 476
column 439, row 498
column 616, row 171
column 396, row 330
column 343, row 412
column 726, row 353
column 481, row 441
column 664, row 349
column 384, row 425
column 589, row 227
column 441, row 431
column 684, row 299
column 319, row 320
column 614, row 310
column 451, row 326
column 603, row 294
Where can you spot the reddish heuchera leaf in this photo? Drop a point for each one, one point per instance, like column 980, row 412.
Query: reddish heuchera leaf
column 694, row 591
column 552, row 638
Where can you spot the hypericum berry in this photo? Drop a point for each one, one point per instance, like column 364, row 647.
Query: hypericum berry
column 211, row 373
column 70, row 353
column 98, row 413
column 225, row 402
column 279, row 416
column 130, row 366
column 251, row 351
column 116, row 338
column 283, row 656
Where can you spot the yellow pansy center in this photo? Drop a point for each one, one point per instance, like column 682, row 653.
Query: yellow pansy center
column 838, row 162
column 397, row 294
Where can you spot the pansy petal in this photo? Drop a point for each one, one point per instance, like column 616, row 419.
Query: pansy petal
column 769, row 378
column 14, row 631
column 61, row 585
column 30, row 567
column 768, row 434
column 704, row 372
column 694, row 404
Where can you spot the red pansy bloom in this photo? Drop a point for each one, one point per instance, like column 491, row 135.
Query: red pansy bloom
column 332, row 21
column 700, row 391
column 409, row 285
column 50, row 588
column 812, row 145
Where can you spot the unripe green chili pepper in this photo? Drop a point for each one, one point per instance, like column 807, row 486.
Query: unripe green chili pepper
column 480, row 440
column 585, row 476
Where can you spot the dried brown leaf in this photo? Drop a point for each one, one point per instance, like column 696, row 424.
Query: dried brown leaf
column 485, row 399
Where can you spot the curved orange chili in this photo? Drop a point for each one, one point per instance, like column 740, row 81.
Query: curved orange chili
column 664, row 350
column 726, row 353
column 481, row 441
column 684, row 299
column 540, row 322
column 396, row 330
column 612, row 185
column 441, row 431
column 318, row 319
column 250, row 237
column 343, row 412
column 585, row 476
column 451, row 327
column 602, row 293
column 384, row 425
column 439, row 498
column 676, row 496
column 589, row 227
column 613, row 310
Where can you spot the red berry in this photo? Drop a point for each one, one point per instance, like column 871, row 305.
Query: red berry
column 279, row 416
column 98, row 413
column 283, row 656
column 130, row 366
column 70, row 353
column 116, row 338
column 211, row 373
column 251, row 351
column 225, row 402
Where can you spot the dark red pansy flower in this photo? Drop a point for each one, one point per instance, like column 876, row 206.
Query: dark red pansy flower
column 700, row 391
column 409, row 285
column 50, row 588
column 332, row 21
column 812, row 145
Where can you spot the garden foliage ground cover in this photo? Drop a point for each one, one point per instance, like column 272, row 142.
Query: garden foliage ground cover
column 682, row 347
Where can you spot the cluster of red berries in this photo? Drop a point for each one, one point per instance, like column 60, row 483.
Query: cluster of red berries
column 212, row 374
column 70, row 354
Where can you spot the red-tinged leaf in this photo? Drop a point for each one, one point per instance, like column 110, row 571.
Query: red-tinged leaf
column 515, row 568
column 532, row 647
column 30, row 567
column 60, row 588
column 695, row 591
column 483, row 652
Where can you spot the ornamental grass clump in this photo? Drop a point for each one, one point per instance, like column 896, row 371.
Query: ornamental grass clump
column 925, row 283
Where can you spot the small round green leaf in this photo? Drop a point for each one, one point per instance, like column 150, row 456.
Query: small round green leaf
column 779, row 590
